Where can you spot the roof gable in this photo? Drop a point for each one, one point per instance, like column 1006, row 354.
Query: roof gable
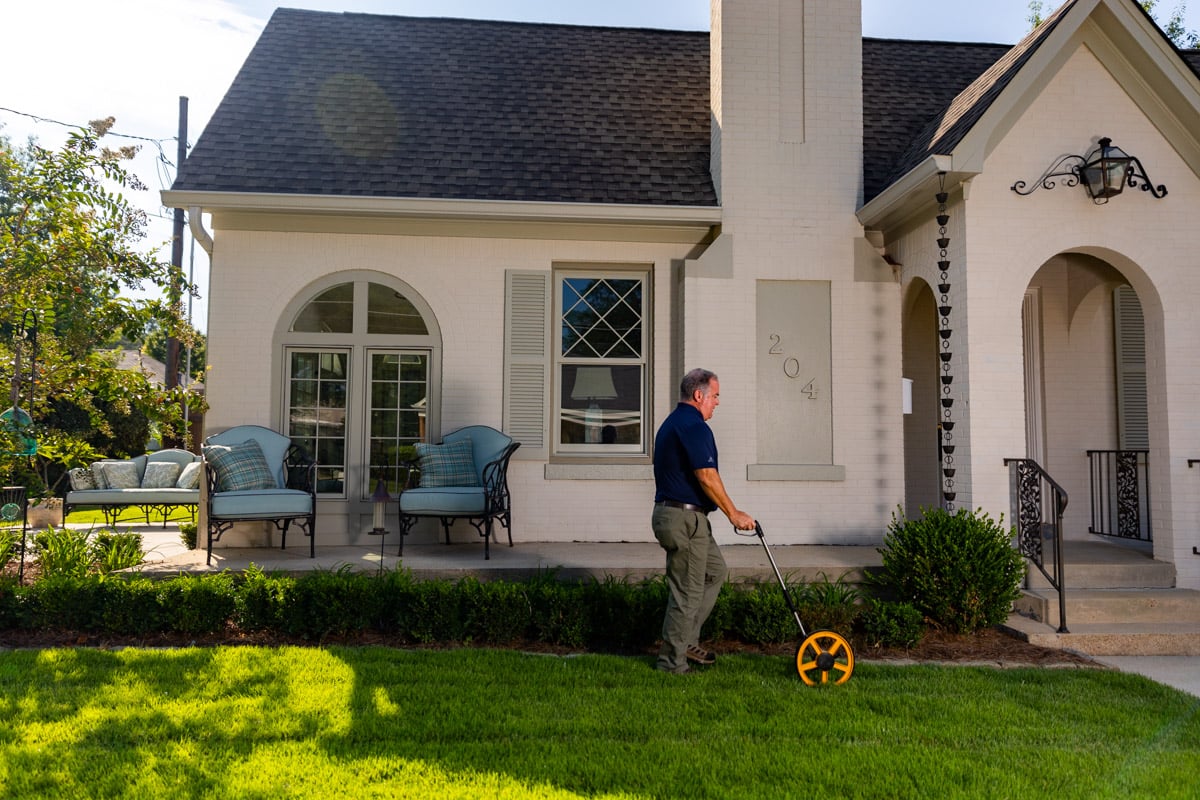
column 382, row 106
column 1160, row 79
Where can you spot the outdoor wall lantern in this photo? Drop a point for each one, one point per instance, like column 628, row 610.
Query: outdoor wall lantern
column 1104, row 173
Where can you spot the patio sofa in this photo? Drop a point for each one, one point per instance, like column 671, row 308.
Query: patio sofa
column 254, row 474
column 465, row 477
column 159, row 481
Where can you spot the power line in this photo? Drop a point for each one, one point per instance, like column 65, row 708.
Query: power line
column 156, row 142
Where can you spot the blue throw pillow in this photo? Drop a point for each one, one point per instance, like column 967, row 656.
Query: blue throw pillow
column 240, row 466
column 450, row 464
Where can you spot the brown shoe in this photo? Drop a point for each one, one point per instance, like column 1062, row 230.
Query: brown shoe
column 698, row 656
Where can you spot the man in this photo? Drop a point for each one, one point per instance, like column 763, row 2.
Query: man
column 688, row 487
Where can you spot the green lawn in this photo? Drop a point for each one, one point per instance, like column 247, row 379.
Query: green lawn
column 362, row 722
column 129, row 516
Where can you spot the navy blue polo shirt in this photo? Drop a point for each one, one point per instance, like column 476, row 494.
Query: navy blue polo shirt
column 684, row 443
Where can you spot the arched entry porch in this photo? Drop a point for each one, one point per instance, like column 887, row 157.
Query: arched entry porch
column 1086, row 394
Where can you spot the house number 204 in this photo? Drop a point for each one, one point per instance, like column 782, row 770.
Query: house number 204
column 791, row 366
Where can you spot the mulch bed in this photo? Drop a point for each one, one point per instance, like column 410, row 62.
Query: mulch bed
column 985, row 647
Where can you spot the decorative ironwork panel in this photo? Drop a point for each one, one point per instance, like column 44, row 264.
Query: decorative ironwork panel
column 1129, row 522
column 1029, row 512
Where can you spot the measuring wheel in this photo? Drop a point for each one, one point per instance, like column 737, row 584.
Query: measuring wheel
column 824, row 656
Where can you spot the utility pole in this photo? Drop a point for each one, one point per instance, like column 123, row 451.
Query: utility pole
column 175, row 297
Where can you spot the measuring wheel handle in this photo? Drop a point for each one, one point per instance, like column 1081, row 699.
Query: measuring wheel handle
column 824, row 657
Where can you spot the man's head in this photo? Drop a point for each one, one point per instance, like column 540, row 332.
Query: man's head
column 701, row 389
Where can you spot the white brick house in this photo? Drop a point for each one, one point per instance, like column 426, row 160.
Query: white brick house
column 410, row 217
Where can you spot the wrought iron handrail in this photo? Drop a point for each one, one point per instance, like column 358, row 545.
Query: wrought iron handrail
column 1120, row 494
column 1191, row 463
column 1038, row 496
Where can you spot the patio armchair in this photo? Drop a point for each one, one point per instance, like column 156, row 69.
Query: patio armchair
column 465, row 477
column 253, row 474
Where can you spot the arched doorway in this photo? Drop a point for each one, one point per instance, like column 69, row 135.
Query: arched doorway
column 922, row 461
column 358, row 357
column 1086, row 394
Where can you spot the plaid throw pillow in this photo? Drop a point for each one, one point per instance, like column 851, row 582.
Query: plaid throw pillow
column 447, row 464
column 160, row 475
column 240, row 466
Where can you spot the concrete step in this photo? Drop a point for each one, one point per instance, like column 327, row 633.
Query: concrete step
column 1105, row 567
column 1117, row 606
column 1112, row 639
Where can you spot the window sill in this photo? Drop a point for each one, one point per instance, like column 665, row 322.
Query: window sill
column 599, row 472
column 795, row 472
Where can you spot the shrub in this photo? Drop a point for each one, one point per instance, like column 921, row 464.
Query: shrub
column 555, row 614
column 329, row 602
column 890, row 624
column 198, row 604
column 187, row 534
column 63, row 552
column 65, row 602
column 129, row 606
column 261, row 600
column 761, row 616
column 8, row 547
column 828, row 605
column 495, row 612
column 114, row 551
column 623, row 616
column 959, row 570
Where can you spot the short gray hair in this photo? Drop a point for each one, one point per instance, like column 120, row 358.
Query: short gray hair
column 696, row 379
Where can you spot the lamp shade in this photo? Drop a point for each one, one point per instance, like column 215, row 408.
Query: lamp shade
column 1106, row 170
column 593, row 383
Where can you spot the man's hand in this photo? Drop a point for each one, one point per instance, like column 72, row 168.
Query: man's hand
column 741, row 520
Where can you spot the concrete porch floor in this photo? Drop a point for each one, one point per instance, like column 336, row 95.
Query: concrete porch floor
column 632, row 560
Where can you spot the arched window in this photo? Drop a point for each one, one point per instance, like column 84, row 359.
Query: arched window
column 361, row 356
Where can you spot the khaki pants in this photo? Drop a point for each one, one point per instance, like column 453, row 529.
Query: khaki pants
column 695, row 573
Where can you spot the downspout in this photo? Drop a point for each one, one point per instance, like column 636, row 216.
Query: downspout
column 196, row 224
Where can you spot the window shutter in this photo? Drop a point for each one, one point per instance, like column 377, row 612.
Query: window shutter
column 527, row 361
column 1133, row 412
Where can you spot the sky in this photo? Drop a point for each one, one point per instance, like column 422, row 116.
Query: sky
column 66, row 62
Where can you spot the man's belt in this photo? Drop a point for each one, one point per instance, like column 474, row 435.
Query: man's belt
column 684, row 506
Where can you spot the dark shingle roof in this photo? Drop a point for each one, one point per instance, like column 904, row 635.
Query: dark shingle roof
column 905, row 85
column 367, row 105
column 382, row 106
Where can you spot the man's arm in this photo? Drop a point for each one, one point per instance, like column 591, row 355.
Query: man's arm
column 714, row 487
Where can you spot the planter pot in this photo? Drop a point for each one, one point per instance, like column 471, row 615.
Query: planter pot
column 46, row 513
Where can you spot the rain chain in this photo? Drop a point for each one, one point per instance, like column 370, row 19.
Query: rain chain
column 946, row 445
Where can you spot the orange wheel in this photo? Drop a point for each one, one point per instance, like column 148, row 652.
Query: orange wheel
column 824, row 657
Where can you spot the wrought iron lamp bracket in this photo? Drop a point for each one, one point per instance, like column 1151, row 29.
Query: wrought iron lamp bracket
column 1070, row 177
column 1069, row 170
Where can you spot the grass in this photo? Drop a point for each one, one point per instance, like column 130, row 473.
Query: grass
column 376, row 722
column 130, row 515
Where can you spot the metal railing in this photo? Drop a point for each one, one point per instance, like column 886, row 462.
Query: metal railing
column 1191, row 463
column 1038, row 503
column 1120, row 494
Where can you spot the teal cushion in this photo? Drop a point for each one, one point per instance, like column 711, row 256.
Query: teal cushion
column 451, row 464
column 240, row 467
column 261, row 504
column 451, row 501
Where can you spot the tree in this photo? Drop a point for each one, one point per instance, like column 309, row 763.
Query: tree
column 155, row 346
column 1179, row 35
column 69, row 263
